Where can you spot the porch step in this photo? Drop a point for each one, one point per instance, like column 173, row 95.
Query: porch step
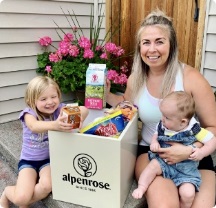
column 10, row 147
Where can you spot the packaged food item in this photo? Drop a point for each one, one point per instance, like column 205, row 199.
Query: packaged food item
column 127, row 108
column 110, row 125
column 95, row 86
column 72, row 115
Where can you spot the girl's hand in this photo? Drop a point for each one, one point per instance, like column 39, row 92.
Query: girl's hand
column 61, row 125
column 175, row 153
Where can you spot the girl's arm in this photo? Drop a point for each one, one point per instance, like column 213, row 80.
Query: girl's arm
column 58, row 125
column 43, row 126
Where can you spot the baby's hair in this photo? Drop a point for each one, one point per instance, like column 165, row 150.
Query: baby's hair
column 34, row 89
column 184, row 101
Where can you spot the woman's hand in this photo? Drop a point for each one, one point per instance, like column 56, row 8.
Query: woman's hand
column 175, row 153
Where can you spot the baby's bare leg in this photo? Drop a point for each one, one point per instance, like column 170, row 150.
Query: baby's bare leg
column 147, row 176
column 187, row 194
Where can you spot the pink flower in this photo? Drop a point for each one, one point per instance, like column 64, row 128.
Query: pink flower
column 119, row 51
column 73, row 50
column 68, row 37
column 84, row 43
column 88, row 53
column 103, row 56
column 111, row 74
column 45, row 41
column 64, row 48
column 75, row 28
column 121, row 79
column 110, row 47
column 48, row 69
column 54, row 57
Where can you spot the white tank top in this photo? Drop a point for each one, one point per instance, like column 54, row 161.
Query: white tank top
column 148, row 109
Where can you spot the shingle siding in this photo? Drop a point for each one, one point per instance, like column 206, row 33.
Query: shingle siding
column 208, row 67
column 22, row 23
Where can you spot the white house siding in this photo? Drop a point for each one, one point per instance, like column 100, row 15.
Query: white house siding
column 22, row 23
column 208, row 66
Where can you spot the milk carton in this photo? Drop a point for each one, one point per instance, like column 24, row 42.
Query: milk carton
column 95, row 86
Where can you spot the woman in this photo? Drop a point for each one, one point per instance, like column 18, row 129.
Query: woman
column 156, row 72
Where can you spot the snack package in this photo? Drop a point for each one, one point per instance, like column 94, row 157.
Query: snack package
column 110, row 125
column 72, row 115
column 127, row 108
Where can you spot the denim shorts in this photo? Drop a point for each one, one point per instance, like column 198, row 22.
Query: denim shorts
column 36, row 165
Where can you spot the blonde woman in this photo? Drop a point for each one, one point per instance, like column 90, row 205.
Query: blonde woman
column 156, row 72
column 43, row 113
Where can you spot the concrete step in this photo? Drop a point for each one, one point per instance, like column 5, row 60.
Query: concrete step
column 10, row 147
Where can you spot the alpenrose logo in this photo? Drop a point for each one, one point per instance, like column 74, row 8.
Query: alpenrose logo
column 86, row 167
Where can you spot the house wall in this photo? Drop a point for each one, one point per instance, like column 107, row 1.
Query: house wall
column 208, row 65
column 22, row 23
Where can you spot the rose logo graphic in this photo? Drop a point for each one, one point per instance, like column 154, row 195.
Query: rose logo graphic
column 85, row 165
column 94, row 77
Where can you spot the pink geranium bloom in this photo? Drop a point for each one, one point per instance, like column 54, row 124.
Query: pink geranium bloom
column 48, row 69
column 84, row 43
column 68, row 37
column 75, row 28
column 88, row 53
column 110, row 47
column 121, row 79
column 103, row 56
column 45, row 41
column 54, row 57
column 111, row 74
column 119, row 51
column 64, row 48
column 73, row 50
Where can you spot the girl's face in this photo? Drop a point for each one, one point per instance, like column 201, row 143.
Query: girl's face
column 171, row 117
column 155, row 46
column 48, row 101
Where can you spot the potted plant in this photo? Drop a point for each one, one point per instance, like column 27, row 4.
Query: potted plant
column 68, row 63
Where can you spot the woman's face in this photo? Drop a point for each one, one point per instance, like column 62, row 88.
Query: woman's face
column 154, row 46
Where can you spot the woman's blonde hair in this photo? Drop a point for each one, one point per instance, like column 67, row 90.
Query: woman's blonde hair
column 34, row 89
column 140, row 69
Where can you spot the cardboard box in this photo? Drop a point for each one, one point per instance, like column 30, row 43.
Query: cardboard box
column 93, row 171
column 95, row 86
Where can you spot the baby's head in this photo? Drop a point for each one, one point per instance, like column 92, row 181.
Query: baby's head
column 177, row 109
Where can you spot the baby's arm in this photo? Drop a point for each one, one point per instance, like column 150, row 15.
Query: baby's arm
column 208, row 148
column 154, row 143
